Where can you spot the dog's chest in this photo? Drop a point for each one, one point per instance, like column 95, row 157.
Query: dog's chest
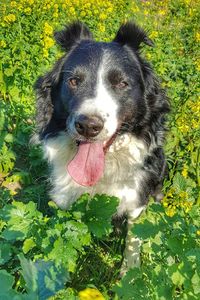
column 123, row 161
column 124, row 157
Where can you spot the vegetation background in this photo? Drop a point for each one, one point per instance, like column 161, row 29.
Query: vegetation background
column 45, row 252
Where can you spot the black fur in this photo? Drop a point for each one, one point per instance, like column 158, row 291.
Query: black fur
column 72, row 35
column 131, row 35
column 142, row 103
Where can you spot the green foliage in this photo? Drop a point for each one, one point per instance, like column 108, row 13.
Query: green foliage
column 94, row 214
column 46, row 243
column 53, row 243
column 170, row 256
column 42, row 278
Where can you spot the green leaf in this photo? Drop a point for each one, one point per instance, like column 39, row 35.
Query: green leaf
column 12, row 235
column 19, row 218
column 175, row 244
column 179, row 182
column 196, row 283
column 9, row 138
column 29, row 272
column 6, row 291
column 193, row 255
column 6, row 281
column 147, row 229
column 176, row 276
column 132, row 286
column 14, row 92
column 8, row 72
column 43, row 279
column 28, row 245
column 5, row 252
column 77, row 233
column 64, row 253
column 99, row 214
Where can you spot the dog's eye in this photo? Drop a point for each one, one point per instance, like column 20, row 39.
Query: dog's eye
column 73, row 82
column 121, row 85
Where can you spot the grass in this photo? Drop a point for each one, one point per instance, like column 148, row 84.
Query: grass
column 32, row 228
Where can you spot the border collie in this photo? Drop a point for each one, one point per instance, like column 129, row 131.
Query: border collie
column 100, row 117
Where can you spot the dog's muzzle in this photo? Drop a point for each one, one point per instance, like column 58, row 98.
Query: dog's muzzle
column 88, row 126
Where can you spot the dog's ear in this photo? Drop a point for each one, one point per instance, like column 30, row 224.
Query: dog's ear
column 132, row 35
column 72, row 34
column 46, row 91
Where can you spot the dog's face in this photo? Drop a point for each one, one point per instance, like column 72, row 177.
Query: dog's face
column 101, row 85
column 102, row 88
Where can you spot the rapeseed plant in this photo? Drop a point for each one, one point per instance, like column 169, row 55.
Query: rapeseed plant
column 28, row 49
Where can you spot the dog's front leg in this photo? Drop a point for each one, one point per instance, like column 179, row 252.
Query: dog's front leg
column 132, row 248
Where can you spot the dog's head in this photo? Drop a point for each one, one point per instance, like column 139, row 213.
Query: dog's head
column 96, row 88
column 102, row 83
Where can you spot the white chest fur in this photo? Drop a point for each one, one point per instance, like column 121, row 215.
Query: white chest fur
column 122, row 174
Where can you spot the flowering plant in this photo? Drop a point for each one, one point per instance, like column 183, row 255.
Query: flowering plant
column 40, row 245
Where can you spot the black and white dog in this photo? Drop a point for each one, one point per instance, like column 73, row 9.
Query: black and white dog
column 100, row 118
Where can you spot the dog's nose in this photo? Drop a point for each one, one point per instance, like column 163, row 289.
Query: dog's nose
column 89, row 126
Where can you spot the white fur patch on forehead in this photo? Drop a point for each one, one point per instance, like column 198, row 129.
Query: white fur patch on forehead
column 103, row 104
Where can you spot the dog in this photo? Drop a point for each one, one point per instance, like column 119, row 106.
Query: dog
column 100, row 117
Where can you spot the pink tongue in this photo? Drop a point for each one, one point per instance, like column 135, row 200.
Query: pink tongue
column 86, row 168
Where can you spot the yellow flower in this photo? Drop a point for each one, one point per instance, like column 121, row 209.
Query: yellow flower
column 109, row 10
column 165, row 203
column 45, row 53
column 10, row 18
column 48, row 42
column 20, row 7
column 183, row 194
column 102, row 28
column 182, row 125
column 185, row 171
column 195, row 123
column 148, row 56
column 187, row 2
column 135, row 9
column 191, row 12
column 13, row 3
column 48, row 30
column 71, row 10
column 27, row 10
column 162, row 12
column 198, row 232
column 102, row 16
column 170, row 211
column 195, row 106
column 3, row 44
column 90, row 294
column 55, row 15
column 83, row 13
column 197, row 36
column 154, row 35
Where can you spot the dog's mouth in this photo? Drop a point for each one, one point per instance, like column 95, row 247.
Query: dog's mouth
column 87, row 167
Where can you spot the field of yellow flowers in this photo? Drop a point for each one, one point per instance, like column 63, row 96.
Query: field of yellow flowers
column 47, row 253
